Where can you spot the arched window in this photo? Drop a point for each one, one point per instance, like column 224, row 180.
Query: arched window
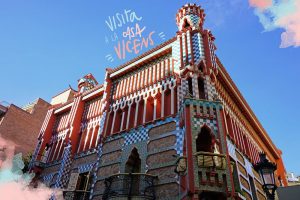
column 205, row 140
column 201, row 66
column 186, row 24
column 201, row 88
column 149, row 109
column 133, row 164
column 118, row 120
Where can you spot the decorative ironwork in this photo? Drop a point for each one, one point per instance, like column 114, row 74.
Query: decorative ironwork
column 207, row 159
column 39, row 164
column 76, row 195
column 132, row 185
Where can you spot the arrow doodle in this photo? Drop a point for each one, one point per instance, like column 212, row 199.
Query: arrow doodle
column 109, row 57
column 162, row 35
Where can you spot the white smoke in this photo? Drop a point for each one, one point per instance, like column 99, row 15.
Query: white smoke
column 14, row 184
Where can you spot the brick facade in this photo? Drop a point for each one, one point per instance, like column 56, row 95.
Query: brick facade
column 22, row 127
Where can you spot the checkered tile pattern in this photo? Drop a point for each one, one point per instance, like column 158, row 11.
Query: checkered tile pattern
column 136, row 136
column 198, row 122
column 210, row 89
column 63, row 173
column 96, row 164
column 179, row 96
column 85, row 167
column 179, row 139
column 34, row 156
column 195, row 87
column 52, row 196
column 184, row 87
column 194, row 19
column 182, row 90
column 47, row 178
column 198, row 48
column 102, row 121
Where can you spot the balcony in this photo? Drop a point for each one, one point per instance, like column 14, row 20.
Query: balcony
column 77, row 194
column 39, row 164
column 212, row 169
column 130, row 186
column 211, row 160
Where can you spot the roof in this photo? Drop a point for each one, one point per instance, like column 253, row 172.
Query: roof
column 69, row 88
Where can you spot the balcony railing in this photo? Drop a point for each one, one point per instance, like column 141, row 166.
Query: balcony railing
column 130, row 186
column 76, row 195
column 39, row 164
column 211, row 160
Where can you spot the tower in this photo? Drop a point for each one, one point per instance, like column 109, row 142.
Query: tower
column 201, row 110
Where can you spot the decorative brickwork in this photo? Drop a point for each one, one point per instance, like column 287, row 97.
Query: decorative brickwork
column 156, row 131
column 159, row 158
column 162, row 143
column 108, row 170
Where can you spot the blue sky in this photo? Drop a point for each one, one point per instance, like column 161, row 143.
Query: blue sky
column 46, row 46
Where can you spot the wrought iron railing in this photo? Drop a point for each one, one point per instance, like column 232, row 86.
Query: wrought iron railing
column 213, row 160
column 39, row 164
column 132, row 186
column 77, row 195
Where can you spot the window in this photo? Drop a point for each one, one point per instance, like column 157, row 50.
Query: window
column 190, row 85
column 205, row 140
column 133, row 165
column 201, row 88
column 83, row 186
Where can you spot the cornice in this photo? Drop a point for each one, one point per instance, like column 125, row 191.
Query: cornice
column 143, row 55
column 238, row 98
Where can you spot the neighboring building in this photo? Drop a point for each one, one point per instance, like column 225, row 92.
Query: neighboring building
column 22, row 125
column 63, row 97
column 292, row 179
column 172, row 106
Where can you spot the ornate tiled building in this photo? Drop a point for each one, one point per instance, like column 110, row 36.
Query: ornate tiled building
column 169, row 124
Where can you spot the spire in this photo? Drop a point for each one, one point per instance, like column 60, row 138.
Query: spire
column 190, row 16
